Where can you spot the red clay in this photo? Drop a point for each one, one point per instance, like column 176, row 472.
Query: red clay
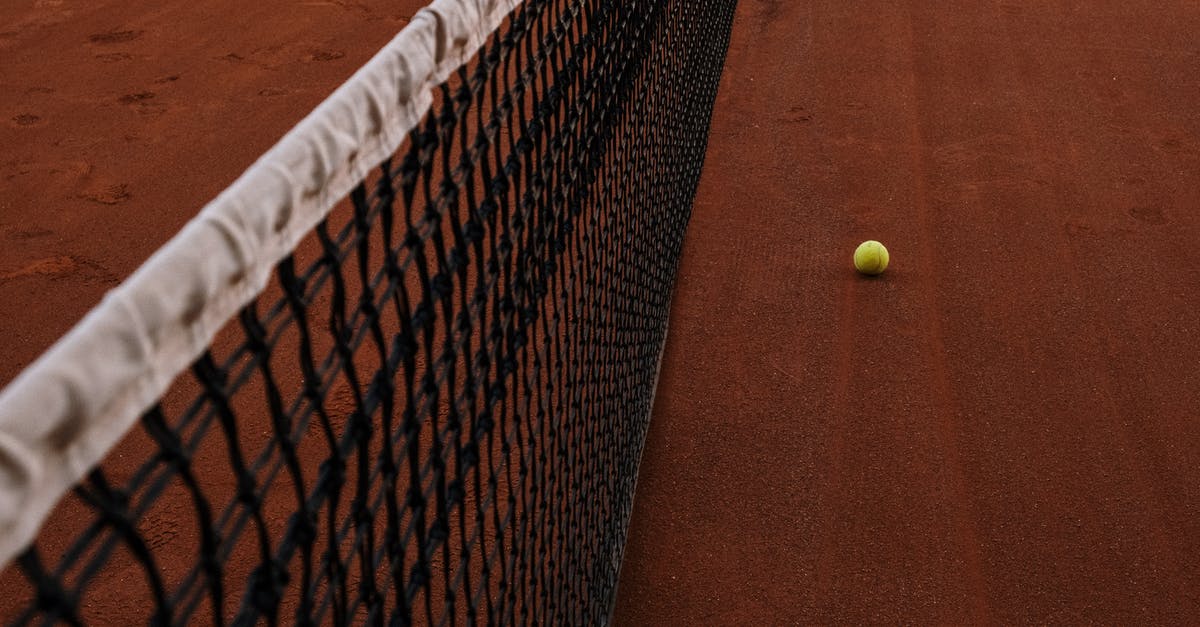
column 1002, row 428
column 999, row 429
column 120, row 120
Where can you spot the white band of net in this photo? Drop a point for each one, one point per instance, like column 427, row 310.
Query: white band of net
column 61, row 416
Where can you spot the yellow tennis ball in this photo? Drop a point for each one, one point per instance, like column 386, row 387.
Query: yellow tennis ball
column 871, row 258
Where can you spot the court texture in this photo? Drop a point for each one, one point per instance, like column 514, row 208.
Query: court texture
column 1002, row 428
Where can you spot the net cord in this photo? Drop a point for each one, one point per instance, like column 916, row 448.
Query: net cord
column 62, row 415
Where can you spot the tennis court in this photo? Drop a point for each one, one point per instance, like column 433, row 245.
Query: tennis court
column 435, row 408
column 1002, row 428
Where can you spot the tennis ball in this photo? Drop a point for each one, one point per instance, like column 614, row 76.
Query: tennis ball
column 871, row 258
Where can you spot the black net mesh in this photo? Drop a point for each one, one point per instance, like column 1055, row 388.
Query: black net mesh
column 435, row 412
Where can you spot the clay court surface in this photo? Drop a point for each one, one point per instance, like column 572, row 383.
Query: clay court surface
column 1002, row 428
column 120, row 120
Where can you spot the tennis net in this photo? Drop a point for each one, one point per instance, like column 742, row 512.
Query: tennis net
column 402, row 371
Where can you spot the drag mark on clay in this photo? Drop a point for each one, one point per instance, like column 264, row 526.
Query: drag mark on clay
column 1149, row 215
column 143, row 102
column 61, row 267
column 107, row 194
column 115, row 37
column 129, row 99
column 325, row 55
